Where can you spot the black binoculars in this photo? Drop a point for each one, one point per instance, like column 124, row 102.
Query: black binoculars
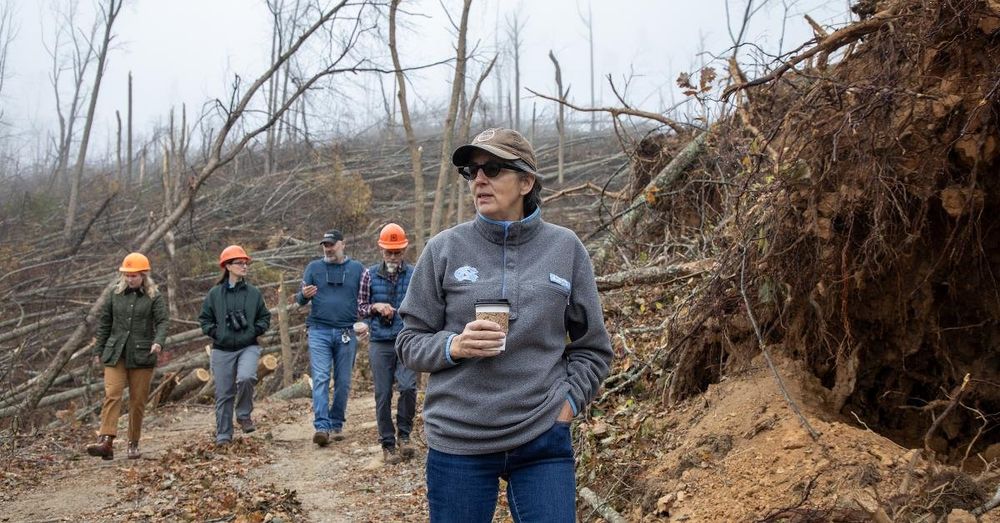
column 387, row 321
column 236, row 320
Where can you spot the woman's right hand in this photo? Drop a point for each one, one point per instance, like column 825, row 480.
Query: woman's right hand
column 480, row 339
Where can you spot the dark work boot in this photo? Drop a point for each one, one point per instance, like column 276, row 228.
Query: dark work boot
column 390, row 456
column 102, row 448
column 406, row 450
column 133, row 450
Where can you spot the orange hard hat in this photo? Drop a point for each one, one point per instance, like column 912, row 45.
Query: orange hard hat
column 392, row 237
column 134, row 262
column 233, row 252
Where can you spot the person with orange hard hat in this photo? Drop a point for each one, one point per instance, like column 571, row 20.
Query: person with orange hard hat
column 234, row 315
column 130, row 333
column 378, row 301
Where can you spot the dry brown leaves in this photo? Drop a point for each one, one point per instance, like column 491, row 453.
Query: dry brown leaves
column 203, row 482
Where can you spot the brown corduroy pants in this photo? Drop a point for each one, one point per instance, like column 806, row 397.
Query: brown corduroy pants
column 115, row 379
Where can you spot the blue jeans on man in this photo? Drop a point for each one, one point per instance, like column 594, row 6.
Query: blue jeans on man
column 328, row 353
column 541, row 481
column 386, row 368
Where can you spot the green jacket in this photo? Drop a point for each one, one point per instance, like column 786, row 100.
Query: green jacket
column 130, row 324
column 223, row 299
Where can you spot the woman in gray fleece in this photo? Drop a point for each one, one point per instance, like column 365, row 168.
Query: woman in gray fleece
column 490, row 413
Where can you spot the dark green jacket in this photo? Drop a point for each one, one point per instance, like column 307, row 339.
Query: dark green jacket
column 130, row 324
column 222, row 299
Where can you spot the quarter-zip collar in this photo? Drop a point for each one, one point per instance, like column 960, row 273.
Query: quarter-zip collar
column 509, row 233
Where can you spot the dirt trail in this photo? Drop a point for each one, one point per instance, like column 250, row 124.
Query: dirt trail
column 346, row 481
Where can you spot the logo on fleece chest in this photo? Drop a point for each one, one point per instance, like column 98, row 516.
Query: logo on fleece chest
column 467, row 273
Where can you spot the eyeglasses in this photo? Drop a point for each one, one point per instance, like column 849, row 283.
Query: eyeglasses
column 393, row 253
column 490, row 169
column 333, row 280
column 240, row 263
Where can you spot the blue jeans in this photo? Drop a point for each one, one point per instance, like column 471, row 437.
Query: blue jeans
column 326, row 348
column 386, row 369
column 541, row 482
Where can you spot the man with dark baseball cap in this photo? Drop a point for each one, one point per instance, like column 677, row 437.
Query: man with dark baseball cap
column 330, row 287
column 332, row 236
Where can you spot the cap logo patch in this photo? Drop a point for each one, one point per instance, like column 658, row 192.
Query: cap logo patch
column 486, row 135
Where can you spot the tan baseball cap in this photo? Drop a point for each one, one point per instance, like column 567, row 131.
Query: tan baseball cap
column 506, row 144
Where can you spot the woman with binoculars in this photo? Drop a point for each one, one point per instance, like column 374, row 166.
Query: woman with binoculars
column 131, row 332
column 233, row 315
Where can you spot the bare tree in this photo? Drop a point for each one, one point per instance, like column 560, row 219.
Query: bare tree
column 7, row 33
column 128, row 147
column 589, row 22
column 419, row 233
column 110, row 12
column 464, row 135
column 81, row 55
column 514, row 27
column 560, row 117
column 225, row 146
column 457, row 82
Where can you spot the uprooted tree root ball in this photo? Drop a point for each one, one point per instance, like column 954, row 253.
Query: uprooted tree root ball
column 871, row 240
column 852, row 208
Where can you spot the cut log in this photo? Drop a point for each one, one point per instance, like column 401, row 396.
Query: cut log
column 265, row 366
column 299, row 389
column 194, row 380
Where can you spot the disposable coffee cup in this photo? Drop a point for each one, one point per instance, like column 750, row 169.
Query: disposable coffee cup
column 496, row 311
column 360, row 328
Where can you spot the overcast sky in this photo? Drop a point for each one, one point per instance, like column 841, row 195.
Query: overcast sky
column 187, row 51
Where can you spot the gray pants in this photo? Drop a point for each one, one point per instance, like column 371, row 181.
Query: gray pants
column 235, row 374
column 387, row 368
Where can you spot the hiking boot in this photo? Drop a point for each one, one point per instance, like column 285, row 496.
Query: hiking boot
column 337, row 434
column 390, row 456
column 133, row 450
column 102, row 448
column 246, row 425
column 406, row 450
column 321, row 438
column 222, row 443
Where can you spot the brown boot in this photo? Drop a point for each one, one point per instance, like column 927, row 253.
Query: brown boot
column 103, row 447
column 133, row 450
column 390, row 456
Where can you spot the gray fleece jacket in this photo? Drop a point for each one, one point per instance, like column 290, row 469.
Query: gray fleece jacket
column 557, row 346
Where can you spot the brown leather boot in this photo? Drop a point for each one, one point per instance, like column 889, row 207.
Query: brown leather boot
column 102, row 448
column 133, row 450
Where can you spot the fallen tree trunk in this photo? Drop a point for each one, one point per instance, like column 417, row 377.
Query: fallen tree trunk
column 656, row 274
column 299, row 389
column 601, row 506
column 56, row 398
column 664, row 179
column 40, row 324
column 163, row 390
column 195, row 379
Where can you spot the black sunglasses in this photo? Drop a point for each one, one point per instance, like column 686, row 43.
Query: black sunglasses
column 490, row 169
